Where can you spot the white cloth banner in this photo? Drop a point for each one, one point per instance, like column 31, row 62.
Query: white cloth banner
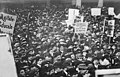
column 111, row 11
column 81, row 27
column 7, row 22
column 111, row 24
column 100, row 3
column 95, row 11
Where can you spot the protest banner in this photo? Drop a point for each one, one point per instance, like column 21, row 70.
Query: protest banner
column 111, row 27
column 111, row 11
column 7, row 22
column 100, row 3
column 7, row 63
column 81, row 27
column 95, row 11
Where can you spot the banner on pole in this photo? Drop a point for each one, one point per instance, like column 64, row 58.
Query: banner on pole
column 81, row 27
column 100, row 3
column 95, row 11
column 7, row 22
column 111, row 27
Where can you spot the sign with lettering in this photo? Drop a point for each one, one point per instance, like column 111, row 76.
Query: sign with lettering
column 111, row 27
column 7, row 22
column 111, row 11
column 95, row 11
column 81, row 27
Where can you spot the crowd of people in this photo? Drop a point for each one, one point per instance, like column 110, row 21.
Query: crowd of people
column 45, row 46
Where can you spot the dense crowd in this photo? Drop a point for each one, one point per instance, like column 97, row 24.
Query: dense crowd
column 45, row 46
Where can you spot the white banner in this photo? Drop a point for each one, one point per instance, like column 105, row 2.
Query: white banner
column 111, row 11
column 7, row 22
column 95, row 11
column 100, row 3
column 111, row 24
column 81, row 27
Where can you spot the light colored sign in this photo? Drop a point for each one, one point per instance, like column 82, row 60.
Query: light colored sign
column 81, row 27
column 111, row 11
column 111, row 24
column 7, row 22
column 95, row 11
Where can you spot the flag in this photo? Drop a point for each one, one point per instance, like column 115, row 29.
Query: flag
column 78, row 3
column 100, row 3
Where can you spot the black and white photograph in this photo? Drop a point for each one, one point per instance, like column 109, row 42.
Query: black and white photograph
column 59, row 38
